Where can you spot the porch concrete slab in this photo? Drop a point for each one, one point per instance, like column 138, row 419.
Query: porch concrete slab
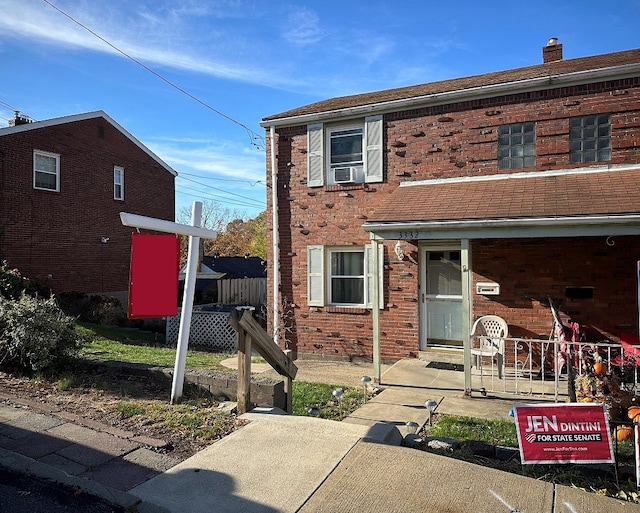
column 374, row 477
column 412, row 372
column 272, row 464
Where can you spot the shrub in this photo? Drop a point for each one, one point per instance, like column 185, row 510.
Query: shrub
column 13, row 284
column 35, row 334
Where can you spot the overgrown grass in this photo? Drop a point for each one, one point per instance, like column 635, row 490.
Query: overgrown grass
column 196, row 418
column 495, row 432
column 317, row 399
column 117, row 344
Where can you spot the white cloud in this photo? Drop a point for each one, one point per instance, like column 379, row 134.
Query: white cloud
column 303, row 28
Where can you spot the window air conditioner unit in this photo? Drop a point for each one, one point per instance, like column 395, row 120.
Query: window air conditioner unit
column 344, row 174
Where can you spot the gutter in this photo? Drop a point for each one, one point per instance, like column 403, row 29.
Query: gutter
column 276, row 235
column 528, row 85
column 623, row 219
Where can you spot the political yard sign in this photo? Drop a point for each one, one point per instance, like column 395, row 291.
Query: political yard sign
column 563, row 433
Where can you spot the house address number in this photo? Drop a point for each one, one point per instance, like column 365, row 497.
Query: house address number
column 408, row 235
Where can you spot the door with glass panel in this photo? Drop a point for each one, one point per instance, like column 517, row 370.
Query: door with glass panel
column 440, row 297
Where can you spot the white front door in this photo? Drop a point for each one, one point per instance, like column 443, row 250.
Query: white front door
column 440, row 296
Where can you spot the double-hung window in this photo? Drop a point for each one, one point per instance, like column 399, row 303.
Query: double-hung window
column 343, row 276
column 46, row 171
column 118, row 183
column 516, row 145
column 590, row 138
column 341, row 154
column 346, row 277
column 345, row 159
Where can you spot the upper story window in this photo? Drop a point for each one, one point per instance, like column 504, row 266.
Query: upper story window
column 46, row 171
column 118, row 183
column 590, row 138
column 516, row 145
column 343, row 154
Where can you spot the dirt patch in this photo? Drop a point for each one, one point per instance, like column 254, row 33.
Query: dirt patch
column 95, row 393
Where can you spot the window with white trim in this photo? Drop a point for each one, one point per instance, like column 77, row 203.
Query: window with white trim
column 118, row 183
column 345, row 153
column 46, row 171
column 343, row 276
column 590, row 138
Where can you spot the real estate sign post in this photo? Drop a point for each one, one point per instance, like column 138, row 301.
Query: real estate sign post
column 194, row 232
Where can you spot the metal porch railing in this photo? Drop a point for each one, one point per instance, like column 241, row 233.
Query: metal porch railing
column 531, row 366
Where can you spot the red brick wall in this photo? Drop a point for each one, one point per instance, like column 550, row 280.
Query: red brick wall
column 450, row 141
column 59, row 233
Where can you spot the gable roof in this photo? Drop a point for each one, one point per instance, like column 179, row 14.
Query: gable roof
column 83, row 117
column 540, row 76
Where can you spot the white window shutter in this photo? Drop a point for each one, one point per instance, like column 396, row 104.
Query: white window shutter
column 315, row 275
column 373, row 274
column 315, row 155
column 373, row 143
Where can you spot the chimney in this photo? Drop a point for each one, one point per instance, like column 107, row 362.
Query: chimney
column 18, row 119
column 552, row 51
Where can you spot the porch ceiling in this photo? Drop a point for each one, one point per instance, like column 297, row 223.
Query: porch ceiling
column 588, row 201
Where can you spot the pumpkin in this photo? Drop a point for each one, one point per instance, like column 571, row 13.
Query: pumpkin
column 599, row 368
column 623, row 433
column 633, row 412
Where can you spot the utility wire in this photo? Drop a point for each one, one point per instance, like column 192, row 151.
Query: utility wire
column 253, row 136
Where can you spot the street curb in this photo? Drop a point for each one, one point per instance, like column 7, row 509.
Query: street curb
column 25, row 465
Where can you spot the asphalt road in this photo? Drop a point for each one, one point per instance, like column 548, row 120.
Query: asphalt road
column 21, row 493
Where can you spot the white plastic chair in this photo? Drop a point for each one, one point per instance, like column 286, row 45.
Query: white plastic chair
column 493, row 331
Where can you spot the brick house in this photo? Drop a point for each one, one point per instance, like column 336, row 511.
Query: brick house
column 63, row 184
column 403, row 215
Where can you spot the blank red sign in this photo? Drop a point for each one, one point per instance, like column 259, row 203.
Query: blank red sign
column 153, row 276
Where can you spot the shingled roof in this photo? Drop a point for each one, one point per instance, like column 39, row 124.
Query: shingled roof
column 604, row 192
column 513, row 76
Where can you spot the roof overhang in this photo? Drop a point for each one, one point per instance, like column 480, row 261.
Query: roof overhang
column 576, row 226
column 83, row 117
column 473, row 93
column 595, row 201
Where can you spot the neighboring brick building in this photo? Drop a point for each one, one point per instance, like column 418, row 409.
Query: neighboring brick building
column 527, row 180
column 63, row 184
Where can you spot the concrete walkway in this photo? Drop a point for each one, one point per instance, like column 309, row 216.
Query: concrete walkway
column 280, row 463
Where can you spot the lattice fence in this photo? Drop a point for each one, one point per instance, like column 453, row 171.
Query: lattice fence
column 209, row 330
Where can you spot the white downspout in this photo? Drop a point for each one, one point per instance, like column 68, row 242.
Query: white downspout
column 276, row 235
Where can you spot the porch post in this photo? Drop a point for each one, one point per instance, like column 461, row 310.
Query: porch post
column 465, row 258
column 375, row 314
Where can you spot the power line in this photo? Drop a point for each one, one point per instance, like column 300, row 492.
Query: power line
column 252, row 183
column 213, row 196
column 253, row 136
column 217, row 189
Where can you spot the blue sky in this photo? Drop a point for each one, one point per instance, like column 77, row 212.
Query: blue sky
column 244, row 60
